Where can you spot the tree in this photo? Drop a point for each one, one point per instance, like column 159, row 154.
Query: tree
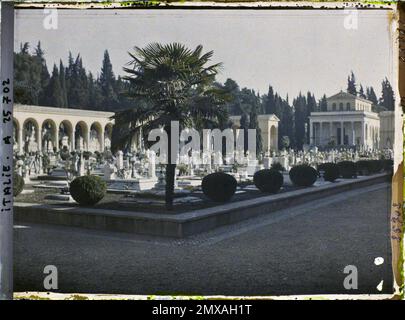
column 361, row 93
column 323, row 105
column 254, row 124
column 107, row 82
column 44, row 74
column 371, row 96
column 234, row 104
column 351, row 84
column 387, row 99
column 27, row 76
column 269, row 102
column 95, row 95
column 177, row 85
column 300, row 120
column 53, row 92
column 62, row 80
column 77, row 83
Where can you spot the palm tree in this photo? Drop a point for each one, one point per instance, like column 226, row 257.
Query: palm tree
column 170, row 83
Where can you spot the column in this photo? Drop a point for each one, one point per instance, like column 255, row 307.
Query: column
column 311, row 132
column 39, row 138
column 320, row 133
column 102, row 139
column 72, row 140
column 20, row 139
column 87, row 139
column 353, row 134
column 56, row 144
column 363, row 139
column 342, row 142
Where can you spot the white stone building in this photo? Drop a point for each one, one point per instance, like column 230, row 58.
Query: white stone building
column 387, row 132
column 38, row 128
column 348, row 121
column 268, row 124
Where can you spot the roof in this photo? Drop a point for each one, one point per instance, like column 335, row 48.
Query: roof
column 346, row 95
column 61, row 111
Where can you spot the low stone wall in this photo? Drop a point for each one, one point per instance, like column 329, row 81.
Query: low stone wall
column 183, row 224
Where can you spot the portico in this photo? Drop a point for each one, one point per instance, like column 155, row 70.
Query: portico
column 346, row 123
column 38, row 129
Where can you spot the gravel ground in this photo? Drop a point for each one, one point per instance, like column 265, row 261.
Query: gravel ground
column 300, row 250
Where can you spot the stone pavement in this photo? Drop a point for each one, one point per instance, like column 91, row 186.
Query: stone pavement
column 300, row 250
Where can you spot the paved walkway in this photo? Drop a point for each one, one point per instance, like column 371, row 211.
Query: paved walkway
column 302, row 250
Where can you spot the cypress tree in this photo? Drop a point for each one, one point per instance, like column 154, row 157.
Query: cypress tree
column 387, row 99
column 54, row 95
column 107, row 83
column 62, row 80
column 371, row 95
column 351, row 84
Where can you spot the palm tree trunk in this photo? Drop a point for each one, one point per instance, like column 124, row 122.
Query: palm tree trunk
column 170, row 173
column 169, row 195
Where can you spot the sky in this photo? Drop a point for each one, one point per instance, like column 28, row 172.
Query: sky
column 294, row 51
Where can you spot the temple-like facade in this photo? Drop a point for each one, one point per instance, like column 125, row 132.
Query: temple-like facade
column 347, row 121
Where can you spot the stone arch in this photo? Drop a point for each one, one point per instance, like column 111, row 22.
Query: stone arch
column 66, row 135
column 31, row 135
column 81, row 136
column 16, row 135
column 96, row 136
column 49, row 136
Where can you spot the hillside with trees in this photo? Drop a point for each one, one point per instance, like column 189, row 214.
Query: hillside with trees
column 72, row 86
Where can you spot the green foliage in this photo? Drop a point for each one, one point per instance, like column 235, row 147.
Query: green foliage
column 303, row 175
column 347, row 169
column 363, row 167
column 268, row 180
column 65, row 154
column 88, row 190
column 388, row 165
column 366, row 167
column 18, row 184
column 219, row 186
column 351, row 84
column 182, row 169
column 278, row 166
column 87, row 155
column 173, row 83
column 387, row 95
column 330, row 171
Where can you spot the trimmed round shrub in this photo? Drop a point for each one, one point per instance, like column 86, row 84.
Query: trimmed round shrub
column 18, row 184
column 268, row 180
column 347, row 169
column 375, row 166
column 330, row 171
column 88, row 190
column 363, row 167
column 219, row 186
column 388, row 165
column 303, row 175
